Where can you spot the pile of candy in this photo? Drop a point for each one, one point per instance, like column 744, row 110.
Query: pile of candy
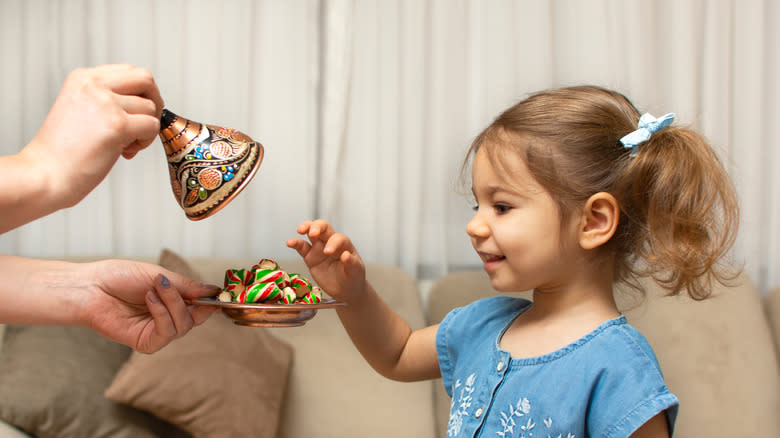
column 265, row 282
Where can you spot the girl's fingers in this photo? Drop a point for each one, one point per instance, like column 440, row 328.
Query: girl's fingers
column 337, row 243
column 321, row 229
column 300, row 246
column 303, row 228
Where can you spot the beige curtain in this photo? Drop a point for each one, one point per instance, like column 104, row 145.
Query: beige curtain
column 367, row 107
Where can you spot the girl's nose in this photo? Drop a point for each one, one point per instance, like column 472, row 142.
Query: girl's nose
column 477, row 227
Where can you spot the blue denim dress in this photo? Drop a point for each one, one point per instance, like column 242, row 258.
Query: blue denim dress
column 606, row 384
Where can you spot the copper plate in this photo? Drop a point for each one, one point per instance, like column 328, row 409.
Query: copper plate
column 269, row 315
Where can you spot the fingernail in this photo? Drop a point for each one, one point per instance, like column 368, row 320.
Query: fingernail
column 164, row 282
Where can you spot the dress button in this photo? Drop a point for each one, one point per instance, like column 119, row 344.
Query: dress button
column 478, row 413
column 500, row 366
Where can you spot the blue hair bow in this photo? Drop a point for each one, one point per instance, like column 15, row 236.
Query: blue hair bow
column 648, row 125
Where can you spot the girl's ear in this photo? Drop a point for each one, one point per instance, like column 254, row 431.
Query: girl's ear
column 599, row 220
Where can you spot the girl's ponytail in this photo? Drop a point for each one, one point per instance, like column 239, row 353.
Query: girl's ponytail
column 680, row 212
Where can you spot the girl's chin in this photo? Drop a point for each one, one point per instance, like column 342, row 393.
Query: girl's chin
column 499, row 284
column 503, row 284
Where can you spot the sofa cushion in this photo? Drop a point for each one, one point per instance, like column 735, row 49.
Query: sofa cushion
column 332, row 391
column 52, row 381
column 717, row 355
column 348, row 396
column 219, row 380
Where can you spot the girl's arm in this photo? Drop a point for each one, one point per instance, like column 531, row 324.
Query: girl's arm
column 655, row 427
column 383, row 338
column 386, row 341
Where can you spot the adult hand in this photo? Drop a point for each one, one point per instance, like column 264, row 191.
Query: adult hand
column 100, row 114
column 142, row 305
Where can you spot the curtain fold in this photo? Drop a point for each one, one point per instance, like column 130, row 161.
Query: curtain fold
column 367, row 107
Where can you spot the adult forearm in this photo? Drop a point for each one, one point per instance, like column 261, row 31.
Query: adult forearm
column 27, row 195
column 39, row 291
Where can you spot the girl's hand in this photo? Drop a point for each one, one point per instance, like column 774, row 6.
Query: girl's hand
column 332, row 260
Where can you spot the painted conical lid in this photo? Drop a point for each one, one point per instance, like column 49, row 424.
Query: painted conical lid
column 209, row 165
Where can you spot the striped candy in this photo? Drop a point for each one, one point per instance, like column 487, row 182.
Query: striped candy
column 235, row 289
column 267, row 282
column 265, row 264
column 235, row 276
column 259, row 292
column 269, row 276
column 300, row 284
column 288, row 296
column 310, row 298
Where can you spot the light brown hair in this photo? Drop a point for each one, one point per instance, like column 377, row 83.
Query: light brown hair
column 678, row 206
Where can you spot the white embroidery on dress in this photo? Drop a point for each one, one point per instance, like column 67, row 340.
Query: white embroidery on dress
column 461, row 409
column 548, row 424
column 522, row 408
column 510, row 421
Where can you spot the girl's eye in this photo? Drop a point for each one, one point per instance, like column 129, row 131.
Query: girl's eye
column 501, row 208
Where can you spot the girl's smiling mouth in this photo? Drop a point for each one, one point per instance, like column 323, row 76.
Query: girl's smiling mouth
column 491, row 260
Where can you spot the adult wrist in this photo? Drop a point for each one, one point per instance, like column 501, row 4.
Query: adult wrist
column 41, row 292
column 40, row 185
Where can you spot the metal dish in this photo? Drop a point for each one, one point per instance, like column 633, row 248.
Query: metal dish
column 269, row 315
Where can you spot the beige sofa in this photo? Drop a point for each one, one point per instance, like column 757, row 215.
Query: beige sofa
column 720, row 358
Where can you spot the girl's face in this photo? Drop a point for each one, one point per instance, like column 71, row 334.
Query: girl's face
column 516, row 229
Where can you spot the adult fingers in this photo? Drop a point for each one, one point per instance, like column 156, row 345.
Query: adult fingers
column 140, row 131
column 201, row 313
column 173, row 301
column 127, row 79
column 187, row 288
column 190, row 289
column 137, row 105
column 164, row 327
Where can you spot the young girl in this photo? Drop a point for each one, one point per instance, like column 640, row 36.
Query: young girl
column 574, row 193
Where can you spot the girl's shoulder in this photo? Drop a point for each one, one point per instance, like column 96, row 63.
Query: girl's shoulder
column 494, row 307
column 481, row 320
